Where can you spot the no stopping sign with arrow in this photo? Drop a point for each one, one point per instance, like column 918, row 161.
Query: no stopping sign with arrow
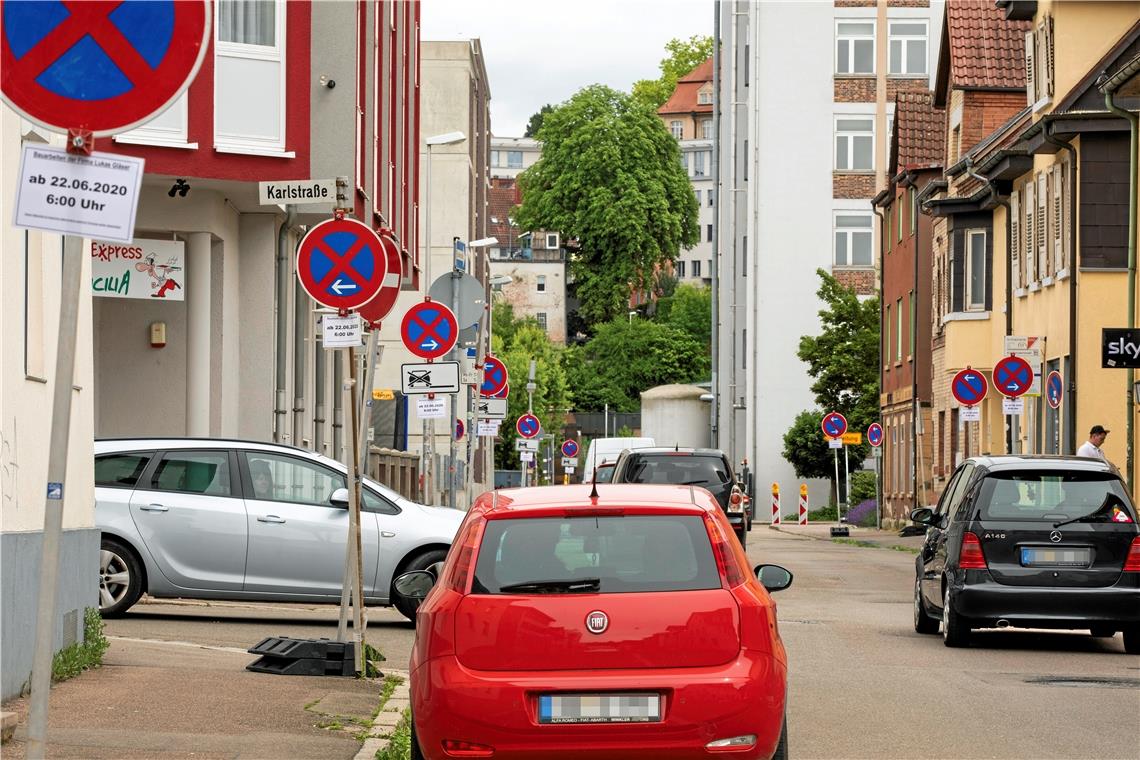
column 429, row 330
column 341, row 263
column 969, row 387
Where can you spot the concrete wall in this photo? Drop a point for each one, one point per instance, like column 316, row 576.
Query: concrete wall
column 522, row 294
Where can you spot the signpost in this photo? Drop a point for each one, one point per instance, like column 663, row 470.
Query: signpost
column 969, row 387
column 875, row 438
column 834, row 426
column 1012, row 377
column 340, row 264
column 527, row 425
column 875, row 434
column 570, row 448
column 491, row 408
column 381, row 306
column 153, row 51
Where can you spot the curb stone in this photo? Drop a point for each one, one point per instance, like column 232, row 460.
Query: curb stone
column 388, row 716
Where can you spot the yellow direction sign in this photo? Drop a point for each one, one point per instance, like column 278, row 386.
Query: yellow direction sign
column 383, row 394
column 849, row 439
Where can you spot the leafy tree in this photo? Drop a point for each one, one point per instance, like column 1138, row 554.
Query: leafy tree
column 806, row 449
column 689, row 309
column 611, row 178
column 528, row 341
column 625, row 358
column 684, row 56
column 535, row 122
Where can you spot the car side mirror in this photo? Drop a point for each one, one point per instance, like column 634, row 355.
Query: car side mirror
column 923, row 516
column 339, row 498
column 415, row 584
column 773, row 577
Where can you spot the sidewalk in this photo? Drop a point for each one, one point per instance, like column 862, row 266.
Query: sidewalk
column 886, row 539
column 175, row 700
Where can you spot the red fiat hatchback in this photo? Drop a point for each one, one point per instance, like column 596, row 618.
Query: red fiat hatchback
column 622, row 625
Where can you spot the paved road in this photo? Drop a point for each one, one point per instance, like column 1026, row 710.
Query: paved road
column 864, row 685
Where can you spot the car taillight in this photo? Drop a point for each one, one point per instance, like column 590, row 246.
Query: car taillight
column 460, row 570
column 972, row 557
column 459, row 748
column 1132, row 562
column 726, row 562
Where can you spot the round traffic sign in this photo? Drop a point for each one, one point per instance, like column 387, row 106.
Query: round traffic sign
column 834, row 425
column 460, row 429
column 570, row 448
column 875, row 434
column 1013, row 376
column 340, row 263
column 494, row 376
column 504, row 393
column 969, row 387
column 381, row 306
column 429, row 330
column 528, row 425
column 104, row 67
column 1054, row 389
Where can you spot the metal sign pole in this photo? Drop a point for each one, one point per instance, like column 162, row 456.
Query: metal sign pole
column 354, row 516
column 846, row 478
column 838, row 508
column 72, row 277
column 451, row 468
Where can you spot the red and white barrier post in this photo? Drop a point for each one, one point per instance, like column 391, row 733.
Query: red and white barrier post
column 803, row 504
column 775, row 504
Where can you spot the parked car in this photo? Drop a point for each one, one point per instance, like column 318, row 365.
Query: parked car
column 607, row 450
column 708, row 468
column 1030, row 542
column 625, row 624
column 227, row 519
column 604, row 473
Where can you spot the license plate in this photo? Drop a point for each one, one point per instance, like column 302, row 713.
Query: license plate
column 1048, row 557
column 599, row 708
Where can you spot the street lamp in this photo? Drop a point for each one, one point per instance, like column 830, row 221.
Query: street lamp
column 447, row 138
column 632, row 314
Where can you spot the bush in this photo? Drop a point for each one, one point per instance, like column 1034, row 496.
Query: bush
column 863, row 514
column 862, row 487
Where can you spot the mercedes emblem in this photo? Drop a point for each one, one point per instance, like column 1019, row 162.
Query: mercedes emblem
column 597, row 622
column 1055, row 536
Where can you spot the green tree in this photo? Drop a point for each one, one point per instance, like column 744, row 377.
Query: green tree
column 611, row 178
column 551, row 395
column 626, row 357
column 689, row 309
column 684, row 56
column 805, row 448
column 535, row 122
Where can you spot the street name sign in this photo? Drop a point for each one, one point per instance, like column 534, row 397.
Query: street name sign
column 304, row 191
column 429, row 330
column 342, row 332
column 92, row 196
column 431, row 377
column 340, row 263
column 491, row 408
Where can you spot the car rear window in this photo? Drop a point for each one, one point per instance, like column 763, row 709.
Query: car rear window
column 626, row 554
column 120, row 470
column 604, row 473
column 1049, row 495
column 679, row 469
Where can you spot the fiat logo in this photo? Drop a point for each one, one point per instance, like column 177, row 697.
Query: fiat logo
column 1055, row 536
column 597, row 622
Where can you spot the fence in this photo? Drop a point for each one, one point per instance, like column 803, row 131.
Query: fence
column 399, row 470
column 595, row 424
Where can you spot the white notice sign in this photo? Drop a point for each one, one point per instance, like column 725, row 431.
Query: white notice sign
column 970, row 414
column 342, row 332
column 139, row 269
column 1012, row 406
column 834, row 443
column 491, row 408
column 431, row 408
column 490, row 429
column 303, row 191
column 93, row 196
column 526, row 456
column 569, row 462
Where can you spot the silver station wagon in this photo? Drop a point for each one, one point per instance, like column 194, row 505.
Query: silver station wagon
column 229, row 519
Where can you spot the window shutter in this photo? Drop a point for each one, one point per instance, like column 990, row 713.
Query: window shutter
column 1067, row 217
column 1027, row 233
column 1042, row 233
column 1047, row 89
column 1030, row 71
column 1058, row 217
column 958, row 256
column 1015, row 238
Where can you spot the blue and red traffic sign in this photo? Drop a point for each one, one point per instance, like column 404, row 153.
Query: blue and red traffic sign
column 969, row 387
column 103, row 67
column 1054, row 389
column 460, row 429
column 1013, row 376
column 528, row 425
column 429, row 330
column 875, row 434
column 381, row 306
column 341, row 263
column 570, row 448
column 834, row 425
column 506, row 391
column 494, row 376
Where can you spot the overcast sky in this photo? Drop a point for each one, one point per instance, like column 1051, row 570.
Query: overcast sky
column 543, row 51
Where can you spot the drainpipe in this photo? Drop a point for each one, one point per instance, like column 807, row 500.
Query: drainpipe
column 996, row 198
column 1109, row 88
column 915, row 403
column 300, row 330
column 1070, row 437
column 281, row 285
column 714, row 433
column 882, row 265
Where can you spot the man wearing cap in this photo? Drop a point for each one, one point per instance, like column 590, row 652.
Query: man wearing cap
column 1091, row 447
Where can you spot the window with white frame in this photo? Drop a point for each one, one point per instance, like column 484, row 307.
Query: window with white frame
column 514, row 159
column 854, row 144
column 855, row 47
column 552, row 242
column 541, row 283
column 907, row 47
column 541, row 317
column 495, row 158
column 677, row 128
column 699, row 163
column 680, row 269
column 712, row 197
column 708, row 233
column 168, row 129
column 853, row 239
column 696, row 269
column 975, row 270
column 704, row 97
column 249, row 77
column 706, row 129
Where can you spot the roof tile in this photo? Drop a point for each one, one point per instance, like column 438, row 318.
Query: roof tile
column 986, row 50
column 921, row 129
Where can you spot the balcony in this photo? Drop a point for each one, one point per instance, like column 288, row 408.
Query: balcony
column 528, row 254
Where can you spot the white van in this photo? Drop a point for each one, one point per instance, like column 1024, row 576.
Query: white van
column 604, row 450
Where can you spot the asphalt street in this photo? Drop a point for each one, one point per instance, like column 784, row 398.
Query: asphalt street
column 863, row 684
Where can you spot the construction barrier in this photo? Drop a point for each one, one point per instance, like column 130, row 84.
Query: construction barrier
column 775, row 503
column 803, row 504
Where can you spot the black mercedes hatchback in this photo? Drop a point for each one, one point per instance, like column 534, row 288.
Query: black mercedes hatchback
column 1030, row 542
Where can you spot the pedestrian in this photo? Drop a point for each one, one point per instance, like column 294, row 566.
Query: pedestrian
column 1091, row 447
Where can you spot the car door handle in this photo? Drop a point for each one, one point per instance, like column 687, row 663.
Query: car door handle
column 154, row 508
column 271, row 519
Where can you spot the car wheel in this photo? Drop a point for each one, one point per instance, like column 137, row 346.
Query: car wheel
column 120, row 578
column 1103, row 631
column 955, row 629
column 422, row 561
column 1132, row 639
column 742, row 536
column 923, row 623
column 782, row 747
